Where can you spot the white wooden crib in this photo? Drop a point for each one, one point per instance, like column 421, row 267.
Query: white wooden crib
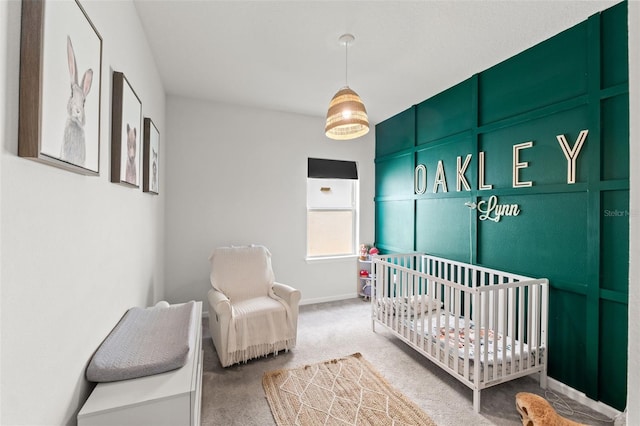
column 482, row 326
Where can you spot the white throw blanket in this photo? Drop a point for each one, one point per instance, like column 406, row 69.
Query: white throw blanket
column 248, row 339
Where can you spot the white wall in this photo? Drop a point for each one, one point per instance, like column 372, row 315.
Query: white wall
column 633, row 384
column 77, row 251
column 4, row 41
column 237, row 175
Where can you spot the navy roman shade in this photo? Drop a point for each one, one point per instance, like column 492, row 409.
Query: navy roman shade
column 331, row 169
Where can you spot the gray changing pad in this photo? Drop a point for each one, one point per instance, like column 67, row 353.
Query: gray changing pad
column 145, row 342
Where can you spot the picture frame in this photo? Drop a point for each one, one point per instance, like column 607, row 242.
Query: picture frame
column 60, row 86
column 150, row 166
column 126, row 134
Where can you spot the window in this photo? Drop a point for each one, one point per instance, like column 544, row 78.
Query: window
column 332, row 215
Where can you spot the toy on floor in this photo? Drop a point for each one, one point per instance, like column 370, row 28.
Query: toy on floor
column 534, row 410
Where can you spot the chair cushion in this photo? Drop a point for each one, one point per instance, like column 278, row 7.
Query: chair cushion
column 242, row 272
column 256, row 307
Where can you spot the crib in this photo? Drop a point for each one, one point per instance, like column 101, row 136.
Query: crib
column 482, row 326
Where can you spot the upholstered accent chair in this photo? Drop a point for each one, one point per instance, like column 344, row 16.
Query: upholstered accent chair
column 250, row 314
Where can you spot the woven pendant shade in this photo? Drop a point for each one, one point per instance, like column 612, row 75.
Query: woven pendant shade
column 347, row 116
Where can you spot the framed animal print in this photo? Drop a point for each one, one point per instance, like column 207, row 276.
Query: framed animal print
column 126, row 132
column 60, row 86
column 150, row 164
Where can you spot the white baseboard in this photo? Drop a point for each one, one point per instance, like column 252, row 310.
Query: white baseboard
column 328, row 299
column 580, row 397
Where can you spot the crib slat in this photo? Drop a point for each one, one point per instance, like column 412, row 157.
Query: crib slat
column 504, row 328
column 534, row 349
column 468, row 322
column 456, row 329
column 509, row 339
column 494, row 322
column 486, row 307
column 415, row 309
column 444, row 327
column 430, row 321
column 536, row 342
column 478, row 318
column 400, row 310
column 522, row 359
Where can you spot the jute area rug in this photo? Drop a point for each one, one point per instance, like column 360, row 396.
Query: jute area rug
column 344, row 391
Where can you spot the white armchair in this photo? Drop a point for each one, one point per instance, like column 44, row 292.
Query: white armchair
column 250, row 315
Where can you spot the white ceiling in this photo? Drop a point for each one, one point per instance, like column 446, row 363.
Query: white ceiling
column 285, row 55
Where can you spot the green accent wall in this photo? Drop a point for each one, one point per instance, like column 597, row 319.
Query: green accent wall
column 575, row 234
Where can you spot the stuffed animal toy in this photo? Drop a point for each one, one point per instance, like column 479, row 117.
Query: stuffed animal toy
column 534, row 410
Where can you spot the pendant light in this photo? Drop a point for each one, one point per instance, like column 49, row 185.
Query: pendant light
column 347, row 116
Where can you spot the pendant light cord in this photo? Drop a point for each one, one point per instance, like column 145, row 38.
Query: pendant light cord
column 346, row 63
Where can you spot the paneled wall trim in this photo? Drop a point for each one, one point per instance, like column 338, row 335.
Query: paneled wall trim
column 525, row 167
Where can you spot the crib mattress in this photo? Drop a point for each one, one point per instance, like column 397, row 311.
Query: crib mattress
column 499, row 362
column 498, row 348
column 489, row 373
column 439, row 327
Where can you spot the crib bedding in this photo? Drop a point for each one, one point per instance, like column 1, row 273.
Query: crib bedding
column 499, row 348
column 425, row 317
column 497, row 353
column 488, row 372
column 410, row 305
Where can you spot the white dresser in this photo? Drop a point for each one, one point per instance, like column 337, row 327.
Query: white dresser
column 172, row 398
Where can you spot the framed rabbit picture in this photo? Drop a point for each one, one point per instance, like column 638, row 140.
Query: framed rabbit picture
column 126, row 132
column 150, row 172
column 60, row 86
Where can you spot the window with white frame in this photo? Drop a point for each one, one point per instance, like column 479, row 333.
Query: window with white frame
column 332, row 208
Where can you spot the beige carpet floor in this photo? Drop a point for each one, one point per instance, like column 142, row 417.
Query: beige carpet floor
column 235, row 396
